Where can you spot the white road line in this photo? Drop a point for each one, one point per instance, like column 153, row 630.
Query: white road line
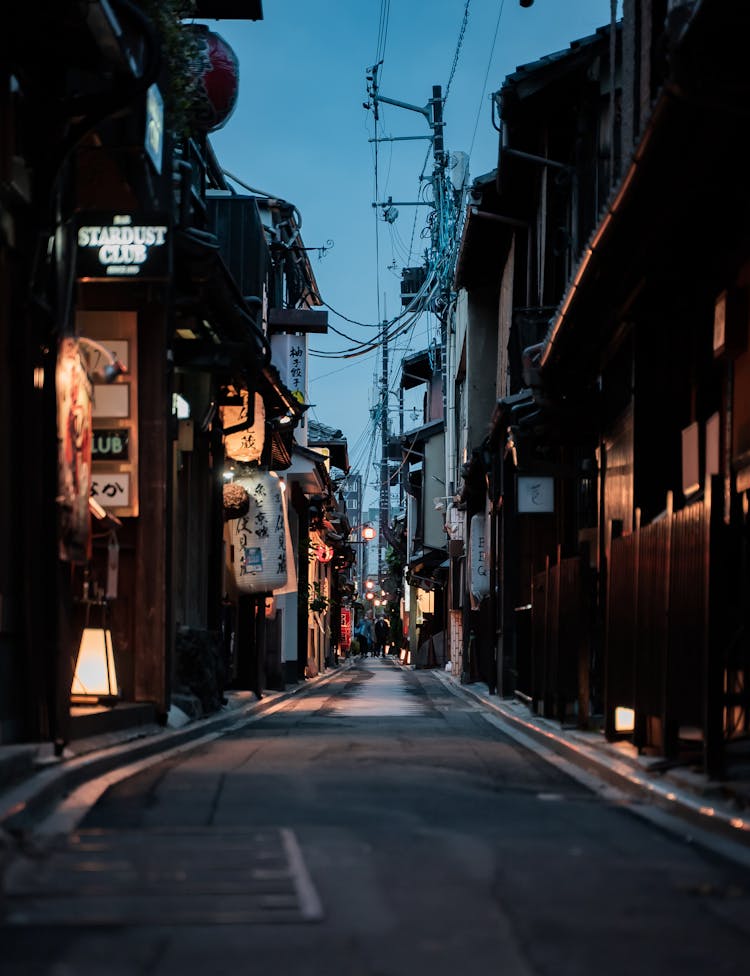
column 310, row 904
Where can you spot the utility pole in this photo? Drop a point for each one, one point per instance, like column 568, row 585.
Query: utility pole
column 385, row 488
column 443, row 240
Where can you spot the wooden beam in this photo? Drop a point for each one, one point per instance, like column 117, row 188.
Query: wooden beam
column 297, row 320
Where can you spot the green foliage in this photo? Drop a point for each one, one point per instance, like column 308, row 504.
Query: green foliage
column 317, row 601
column 180, row 55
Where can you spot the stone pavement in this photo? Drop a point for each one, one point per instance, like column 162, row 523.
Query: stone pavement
column 719, row 809
column 32, row 780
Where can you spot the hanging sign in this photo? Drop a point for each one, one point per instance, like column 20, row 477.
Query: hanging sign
column 536, row 494
column 346, row 628
column 116, row 246
column 258, row 539
column 289, row 356
column 479, row 557
column 113, row 567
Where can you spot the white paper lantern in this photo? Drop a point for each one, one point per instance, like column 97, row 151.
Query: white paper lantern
column 259, row 539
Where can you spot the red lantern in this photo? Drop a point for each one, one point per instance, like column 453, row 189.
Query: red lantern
column 218, row 79
column 324, row 553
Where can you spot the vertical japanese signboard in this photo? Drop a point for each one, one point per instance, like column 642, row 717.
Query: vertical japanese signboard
column 114, row 442
column 289, row 356
column 346, row 628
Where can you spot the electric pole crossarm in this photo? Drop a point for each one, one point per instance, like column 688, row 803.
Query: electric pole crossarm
column 399, row 138
column 404, row 203
column 422, row 109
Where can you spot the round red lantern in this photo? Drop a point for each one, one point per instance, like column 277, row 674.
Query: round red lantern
column 324, row 553
column 217, row 72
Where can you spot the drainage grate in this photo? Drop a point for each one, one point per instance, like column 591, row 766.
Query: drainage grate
column 183, row 876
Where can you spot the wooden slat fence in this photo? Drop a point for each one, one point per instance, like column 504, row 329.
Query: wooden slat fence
column 560, row 641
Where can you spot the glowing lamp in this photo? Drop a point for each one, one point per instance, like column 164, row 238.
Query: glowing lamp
column 324, row 553
column 368, row 533
column 624, row 719
column 369, row 595
column 369, row 584
column 95, row 677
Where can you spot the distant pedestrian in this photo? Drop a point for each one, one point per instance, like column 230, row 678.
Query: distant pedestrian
column 362, row 632
column 382, row 633
column 370, row 624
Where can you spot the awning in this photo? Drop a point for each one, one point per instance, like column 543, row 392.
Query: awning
column 420, row 367
column 485, row 243
column 307, row 469
column 430, row 568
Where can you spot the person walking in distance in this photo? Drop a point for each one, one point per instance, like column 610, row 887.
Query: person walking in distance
column 362, row 632
column 382, row 632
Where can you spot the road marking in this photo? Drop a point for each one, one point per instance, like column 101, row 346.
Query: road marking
column 164, row 876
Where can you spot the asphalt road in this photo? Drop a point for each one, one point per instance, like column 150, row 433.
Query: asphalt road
column 378, row 826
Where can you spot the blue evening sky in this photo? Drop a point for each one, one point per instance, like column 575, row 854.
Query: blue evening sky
column 300, row 132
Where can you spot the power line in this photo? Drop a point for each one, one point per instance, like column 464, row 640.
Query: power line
column 459, row 43
column 486, row 76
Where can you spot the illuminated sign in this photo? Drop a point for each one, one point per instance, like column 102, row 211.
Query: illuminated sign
column 121, row 246
column 110, row 445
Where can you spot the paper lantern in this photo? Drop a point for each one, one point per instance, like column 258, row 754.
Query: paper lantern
column 217, row 72
column 259, row 539
column 323, row 553
column 95, row 677
column 74, row 391
column 243, row 441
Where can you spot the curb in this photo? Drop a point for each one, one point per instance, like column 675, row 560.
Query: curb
column 719, row 821
column 26, row 802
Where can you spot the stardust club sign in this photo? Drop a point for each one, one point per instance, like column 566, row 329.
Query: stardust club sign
column 116, row 246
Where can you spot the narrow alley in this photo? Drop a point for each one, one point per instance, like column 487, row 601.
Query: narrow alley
column 379, row 824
